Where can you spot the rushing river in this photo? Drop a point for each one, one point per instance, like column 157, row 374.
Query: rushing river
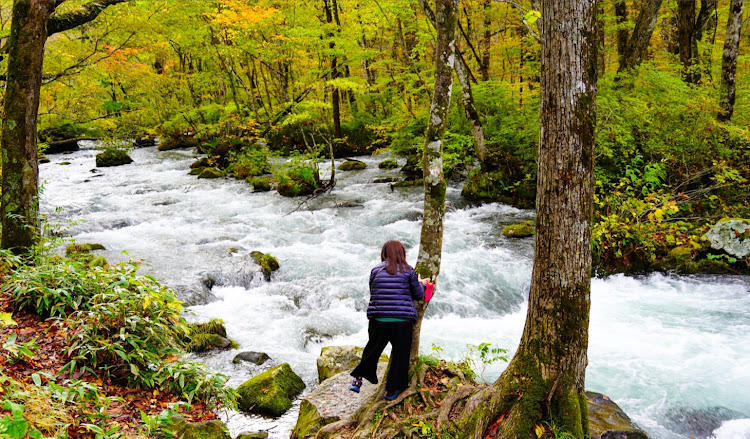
column 672, row 351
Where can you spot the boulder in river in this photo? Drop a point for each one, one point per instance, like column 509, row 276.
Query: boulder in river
column 522, row 230
column 699, row 423
column 331, row 402
column 208, row 335
column 352, row 165
column 213, row 429
column 210, row 173
column 260, row 184
column 336, row 359
column 388, row 164
column 82, row 248
column 608, row 421
column 732, row 236
column 268, row 263
column 271, row 392
column 112, row 157
column 253, row 435
column 256, row 358
column 413, row 166
column 200, row 163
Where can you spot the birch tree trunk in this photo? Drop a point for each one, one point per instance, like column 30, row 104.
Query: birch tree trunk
column 729, row 60
column 544, row 381
column 431, row 239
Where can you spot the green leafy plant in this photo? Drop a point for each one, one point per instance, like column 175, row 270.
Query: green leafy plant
column 482, row 355
column 19, row 351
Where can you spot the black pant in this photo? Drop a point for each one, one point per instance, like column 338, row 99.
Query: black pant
column 381, row 333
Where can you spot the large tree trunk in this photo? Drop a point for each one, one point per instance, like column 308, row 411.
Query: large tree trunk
column 729, row 60
column 545, row 380
column 32, row 23
column 621, row 18
column 641, row 37
column 431, row 238
column 467, row 101
column 20, row 167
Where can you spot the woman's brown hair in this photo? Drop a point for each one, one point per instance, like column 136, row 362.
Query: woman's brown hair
column 394, row 255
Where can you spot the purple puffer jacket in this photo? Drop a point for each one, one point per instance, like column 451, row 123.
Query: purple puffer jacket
column 391, row 295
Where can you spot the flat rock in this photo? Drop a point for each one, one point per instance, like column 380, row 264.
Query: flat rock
column 251, row 357
column 608, row 421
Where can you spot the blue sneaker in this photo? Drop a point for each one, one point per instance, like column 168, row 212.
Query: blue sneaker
column 356, row 384
column 392, row 396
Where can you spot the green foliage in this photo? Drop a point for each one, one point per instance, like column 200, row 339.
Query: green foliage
column 250, row 162
column 19, row 351
column 482, row 355
column 299, row 176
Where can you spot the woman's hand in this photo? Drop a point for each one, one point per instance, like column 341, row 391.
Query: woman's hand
column 425, row 280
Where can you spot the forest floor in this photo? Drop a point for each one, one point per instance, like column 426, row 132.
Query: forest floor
column 49, row 337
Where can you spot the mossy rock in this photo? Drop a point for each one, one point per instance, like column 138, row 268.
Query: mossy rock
column 522, row 230
column 496, row 186
column 260, row 184
column 254, row 435
column 43, row 158
column 208, row 335
column 89, row 260
column 210, row 173
column 608, row 421
column 196, row 171
column 388, row 164
column 112, row 157
column 409, row 183
column 268, row 263
column 413, row 166
column 271, row 392
column 201, row 163
column 385, row 179
column 82, row 248
column 170, row 143
column 352, row 165
column 213, row 429
column 336, row 359
column 63, row 163
column 731, row 235
column 144, row 140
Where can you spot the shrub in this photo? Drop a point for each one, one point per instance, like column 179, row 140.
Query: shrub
column 250, row 162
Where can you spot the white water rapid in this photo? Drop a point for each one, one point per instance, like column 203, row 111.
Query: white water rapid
column 672, row 351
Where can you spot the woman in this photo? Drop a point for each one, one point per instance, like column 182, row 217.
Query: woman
column 393, row 287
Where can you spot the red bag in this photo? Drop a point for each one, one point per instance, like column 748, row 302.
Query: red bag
column 429, row 287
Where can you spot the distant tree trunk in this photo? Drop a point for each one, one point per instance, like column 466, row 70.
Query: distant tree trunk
column 431, row 239
column 33, row 22
column 641, row 37
column 329, row 6
column 544, row 381
column 621, row 18
column 686, row 37
column 712, row 22
column 484, row 68
column 729, row 60
column 601, row 62
column 467, row 101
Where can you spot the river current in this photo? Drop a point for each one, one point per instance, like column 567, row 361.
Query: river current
column 671, row 350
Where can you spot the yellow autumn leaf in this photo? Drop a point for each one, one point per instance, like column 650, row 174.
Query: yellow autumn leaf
column 146, row 301
column 539, row 430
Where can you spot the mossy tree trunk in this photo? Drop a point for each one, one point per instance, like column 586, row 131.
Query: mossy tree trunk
column 331, row 8
column 33, row 22
column 729, row 60
column 431, row 238
column 20, row 165
column 544, row 381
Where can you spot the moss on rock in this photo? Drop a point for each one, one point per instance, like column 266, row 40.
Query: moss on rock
column 210, row 173
column 82, row 248
column 196, row 171
column 680, row 254
column 352, row 165
column 271, row 392
column 388, row 164
column 268, row 263
column 522, row 230
column 208, row 335
column 260, row 184
column 112, row 157
column 607, row 420
column 213, row 429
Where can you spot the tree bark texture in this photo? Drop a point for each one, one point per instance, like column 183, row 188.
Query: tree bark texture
column 641, row 36
column 431, row 239
column 484, row 67
column 544, row 381
column 686, row 30
column 621, row 18
column 20, row 180
column 729, row 60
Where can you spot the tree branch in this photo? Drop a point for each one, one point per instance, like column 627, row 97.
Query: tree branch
column 84, row 14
